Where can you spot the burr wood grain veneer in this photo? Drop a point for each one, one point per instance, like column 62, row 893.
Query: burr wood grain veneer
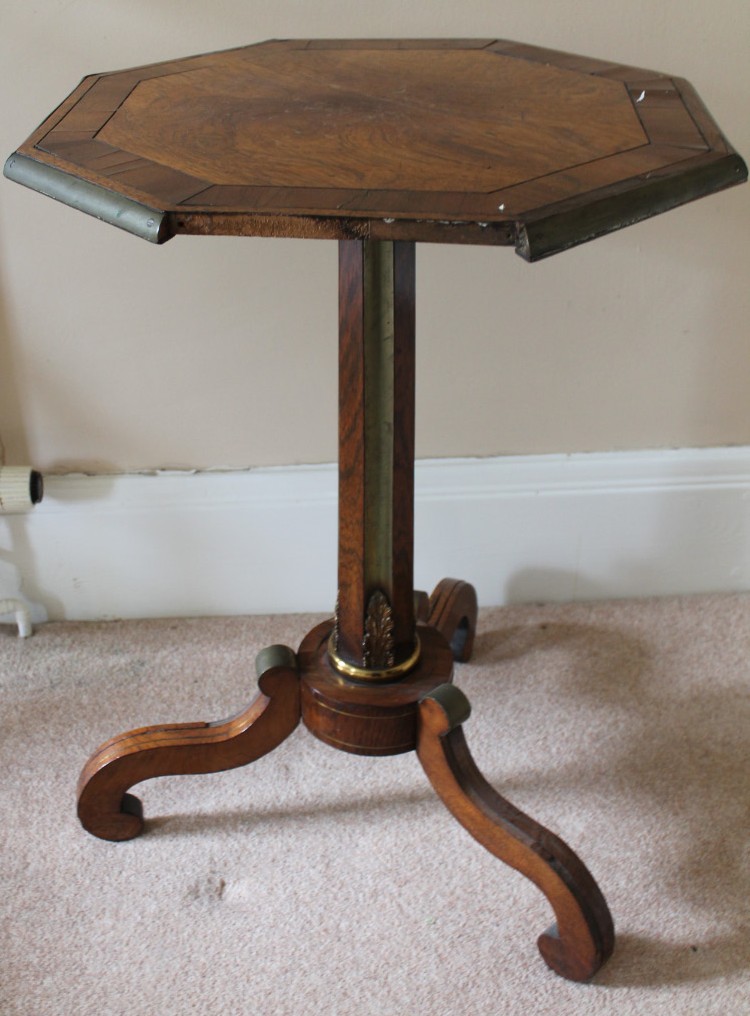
column 379, row 145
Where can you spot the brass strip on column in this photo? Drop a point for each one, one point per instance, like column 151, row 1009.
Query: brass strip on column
column 379, row 416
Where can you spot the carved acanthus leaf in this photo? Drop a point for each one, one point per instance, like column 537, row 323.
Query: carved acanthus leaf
column 378, row 644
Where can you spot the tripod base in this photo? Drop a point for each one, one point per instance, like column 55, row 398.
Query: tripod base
column 421, row 711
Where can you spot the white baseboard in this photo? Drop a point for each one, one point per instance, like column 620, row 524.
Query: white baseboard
column 529, row 528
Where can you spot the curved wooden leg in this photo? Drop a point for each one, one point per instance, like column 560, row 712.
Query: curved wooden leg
column 583, row 937
column 107, row 811
column 453, row 611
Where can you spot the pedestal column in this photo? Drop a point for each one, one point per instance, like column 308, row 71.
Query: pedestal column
column 375, row 637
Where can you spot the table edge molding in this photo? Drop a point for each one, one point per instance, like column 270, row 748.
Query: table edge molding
column 148, row 223
column 567, row 224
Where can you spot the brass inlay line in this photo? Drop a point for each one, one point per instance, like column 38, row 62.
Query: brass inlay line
column 359, row 716
column 389, row 749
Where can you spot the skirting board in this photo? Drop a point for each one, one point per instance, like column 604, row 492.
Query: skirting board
column 531, row 528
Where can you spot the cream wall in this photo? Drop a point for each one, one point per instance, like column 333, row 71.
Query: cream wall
column 116, row 355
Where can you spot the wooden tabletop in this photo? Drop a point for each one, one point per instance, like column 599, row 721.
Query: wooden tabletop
column 468, row 141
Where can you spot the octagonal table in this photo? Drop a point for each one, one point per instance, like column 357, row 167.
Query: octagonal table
column 379, row 145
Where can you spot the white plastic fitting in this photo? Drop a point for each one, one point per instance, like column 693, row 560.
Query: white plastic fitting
column 21, row 487
column 22, row 615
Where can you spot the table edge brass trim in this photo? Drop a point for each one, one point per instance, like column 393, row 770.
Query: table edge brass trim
column 365, row 674
column 569, row 223
column 115, row 209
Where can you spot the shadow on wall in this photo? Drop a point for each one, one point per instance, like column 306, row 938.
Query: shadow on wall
column 717, row 388
column 13, row 444
column 17, row 561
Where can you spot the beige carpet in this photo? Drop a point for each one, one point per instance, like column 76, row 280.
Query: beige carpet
column 319, row 882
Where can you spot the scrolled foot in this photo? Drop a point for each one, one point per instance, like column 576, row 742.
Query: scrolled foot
column 583, row 937
column 566, row 958
column 124, row 824
column 106, row 810
column 453, row 611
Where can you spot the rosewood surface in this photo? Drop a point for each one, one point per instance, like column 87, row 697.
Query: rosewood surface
column 480, row 141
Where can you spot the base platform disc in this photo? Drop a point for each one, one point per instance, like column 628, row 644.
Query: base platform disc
column 368, row 718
